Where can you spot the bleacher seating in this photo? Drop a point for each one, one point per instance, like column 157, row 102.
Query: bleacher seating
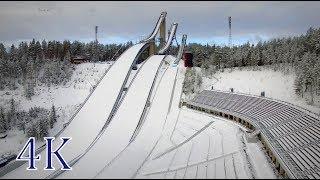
column 295, row 130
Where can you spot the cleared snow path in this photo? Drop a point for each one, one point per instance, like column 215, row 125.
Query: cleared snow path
column 117, row 135
column 90, row 119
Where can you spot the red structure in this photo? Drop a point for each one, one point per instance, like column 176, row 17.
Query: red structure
column 187, row 58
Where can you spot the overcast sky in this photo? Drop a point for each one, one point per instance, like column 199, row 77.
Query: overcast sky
column 203, row 22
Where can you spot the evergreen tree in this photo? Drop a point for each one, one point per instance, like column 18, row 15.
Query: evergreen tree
column 11, row 115
column 38, row 50
column 32, row 50
column 30, row 80
column 31, row 130
column 67, row 57
column 44, row 47
column 298, row 86
column 53, row 117
column 13, row 53
column 3, row 52
column 41, row 128
column 29, row 90
column 3, row 122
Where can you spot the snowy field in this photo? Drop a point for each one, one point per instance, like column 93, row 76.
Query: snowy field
column 275, row 84
column 66, row 99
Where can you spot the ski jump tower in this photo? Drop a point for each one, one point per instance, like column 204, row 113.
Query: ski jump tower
column 160, row 26
column 163, row 29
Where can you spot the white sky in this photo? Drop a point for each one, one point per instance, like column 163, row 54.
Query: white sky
column 203, row 22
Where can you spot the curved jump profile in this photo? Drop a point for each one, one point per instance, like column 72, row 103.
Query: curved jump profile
column 95, row 115
column 181, row 48
column 156, row 28
column 173, row 30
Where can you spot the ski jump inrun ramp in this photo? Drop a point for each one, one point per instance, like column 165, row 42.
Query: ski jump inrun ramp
column 104, row 127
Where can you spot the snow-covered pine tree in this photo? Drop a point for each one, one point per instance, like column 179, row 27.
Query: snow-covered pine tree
column 11, row 115
column 50, row 50
column 30, row 80
column 298, row 85
column 23, row 127
column 32, row 50
column 2, row 74
column 3, row 122
column 254, row 58
column 44, row 47
column 67, row 57
column 53, row 117
column 31, row 130
column 41, row 128
column 198, row 82
column 29, row 90
column 38, row 51
column 189, row 81
column 3, row 52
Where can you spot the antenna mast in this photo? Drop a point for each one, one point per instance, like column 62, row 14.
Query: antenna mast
column 96, row 34
column 230, row 36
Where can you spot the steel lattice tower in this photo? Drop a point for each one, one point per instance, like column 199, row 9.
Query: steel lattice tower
column 230, row 36
column 96, row 34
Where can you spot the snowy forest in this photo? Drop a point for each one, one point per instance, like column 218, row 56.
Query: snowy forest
column 47, row 62
column 300, row 53
column 34, row 123
column 33, row 64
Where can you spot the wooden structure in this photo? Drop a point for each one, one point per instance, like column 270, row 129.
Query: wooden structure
column 152, row 48
column 79, row 59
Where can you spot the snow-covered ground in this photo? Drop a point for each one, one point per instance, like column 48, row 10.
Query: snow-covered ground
column 123, row 125
column 186, row 144
column 173, row 142
column 216, row 152
column 66, row 99
column 91, row 118
column 275, row 84
column 130, row 159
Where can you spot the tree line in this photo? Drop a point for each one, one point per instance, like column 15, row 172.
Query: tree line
column 35, row 63
column 48, row 63
column 300, row 53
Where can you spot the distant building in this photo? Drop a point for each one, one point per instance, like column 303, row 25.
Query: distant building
column 79, row 59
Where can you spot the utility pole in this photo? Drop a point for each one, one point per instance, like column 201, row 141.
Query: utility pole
column 96, row 44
